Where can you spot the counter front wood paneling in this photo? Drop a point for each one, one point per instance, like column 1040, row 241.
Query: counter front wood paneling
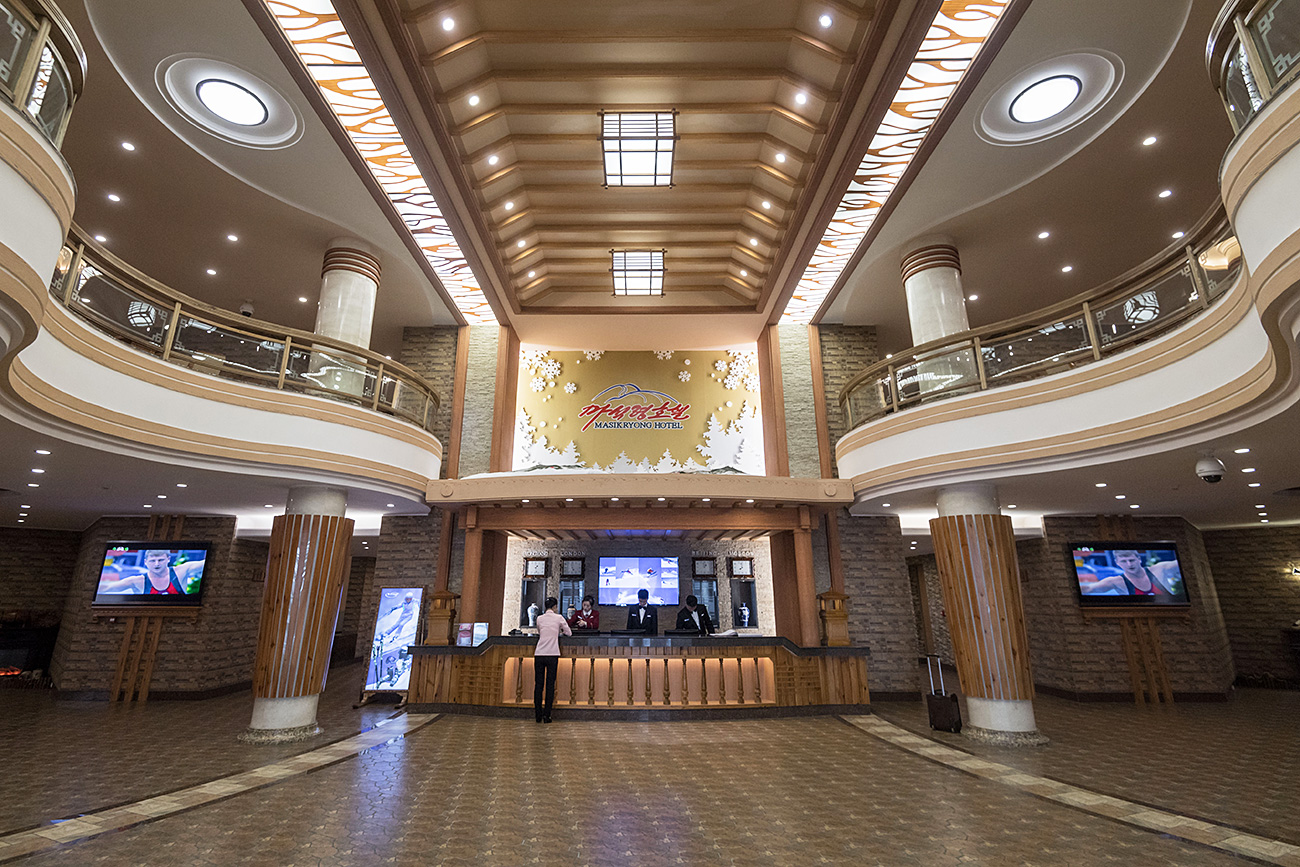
column 621, row 674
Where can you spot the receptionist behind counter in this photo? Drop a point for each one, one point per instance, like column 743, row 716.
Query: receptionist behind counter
column 642, row 616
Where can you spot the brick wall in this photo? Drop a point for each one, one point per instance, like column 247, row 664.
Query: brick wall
column 846, row 351
column 36, row 569
column 213, row 653
column 431, row 352
column 1259, row 597
column 1078, row 656
column 406, row 555
column 800, row 411
column 880, row 600
column 361, row 575
column 928, row 568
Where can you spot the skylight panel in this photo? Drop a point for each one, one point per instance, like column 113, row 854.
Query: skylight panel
column 638, row 272
column 638, row 148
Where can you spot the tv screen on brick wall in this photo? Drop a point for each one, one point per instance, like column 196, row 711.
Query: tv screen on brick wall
column 152, row 573
column 1110, row 574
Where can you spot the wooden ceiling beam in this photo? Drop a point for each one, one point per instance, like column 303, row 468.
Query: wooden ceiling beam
column 552, row 109
column 587, row 37
column 724, row 138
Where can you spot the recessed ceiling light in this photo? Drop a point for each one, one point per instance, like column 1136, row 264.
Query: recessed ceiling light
column 1066, row 269
column 1135, row 506
column 884, row 505
column 1263, row 514
column 181, row 485
column 568, row 499
column 1100, row 485
column 162, row 496
column 302, row 298
column 1149, row 140
column 780, row 157
column 232, row 238
column 101, row 239
column 390, row 506
column 493, row 160
column 521, row 243
column 1260, row 506
column 706, row 500
column 1241, row 451
column 510, row 206
column 1178, row 235
column 24, row 506
column 1164, row 194
column 473, row 99
column 232, row 102
column 42, row 451
column 1248, row 470
column 523, row 501
column 212, row 272
column 1044, row 235
column 824, row 20
column 661, row 499
column 532, row 274
column 801, row 98
column 1012, row 506
column 1263, row 520
column 613, row 499
column 889, row 356
column 973, row 298
column 114, row 197
column 744, row 272
column 767, row 206
column 32, row 485
column 1121, row 496
column 1253, row 485
column 268, row 506
column 22, row 514
column 1044, row 99
column 127, row 146
column 753, row 242
column 147, row 506
column 448, row 24
column 749, row 501
column 37, row 470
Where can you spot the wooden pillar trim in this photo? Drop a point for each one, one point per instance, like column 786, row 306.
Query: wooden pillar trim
column 473, row 568
column 503, row 415
column 776, row 452
column 304, row 578
column 810, row 632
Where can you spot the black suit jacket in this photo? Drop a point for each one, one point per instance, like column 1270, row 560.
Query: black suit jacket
column 651, row 622
column 685, row 621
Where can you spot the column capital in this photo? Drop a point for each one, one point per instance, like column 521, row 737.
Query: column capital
column 355, row 259
column 933, row 255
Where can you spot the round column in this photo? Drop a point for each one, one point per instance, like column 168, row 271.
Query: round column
column 349, row 284
column 975, row 548
column 310, row 549
column 936, row 308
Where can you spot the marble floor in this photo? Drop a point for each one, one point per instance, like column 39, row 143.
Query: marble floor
column 1187, row 785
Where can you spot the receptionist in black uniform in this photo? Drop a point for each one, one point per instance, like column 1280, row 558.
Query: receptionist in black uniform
column 643, row 615
column 695, row 616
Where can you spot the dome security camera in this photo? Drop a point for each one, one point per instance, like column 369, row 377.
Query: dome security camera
column 1210, row 470
column 246, row 309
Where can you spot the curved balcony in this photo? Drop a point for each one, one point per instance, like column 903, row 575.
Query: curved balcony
column 42, row 65
column 129, row 306
column 1144, row 303
column 1253, row 54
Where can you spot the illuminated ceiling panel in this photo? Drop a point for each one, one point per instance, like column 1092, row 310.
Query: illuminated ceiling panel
column 323, row 45
column 637, row 272
column 638, row 148
column 954, row 38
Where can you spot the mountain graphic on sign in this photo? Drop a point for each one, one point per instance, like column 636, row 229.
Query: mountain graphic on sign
column 631, row 394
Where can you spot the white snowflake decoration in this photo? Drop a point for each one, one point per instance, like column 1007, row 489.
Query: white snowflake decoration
column 537, row 384
column 720, row 366
column 663, row 354
column 531, row 358
column 742, row 359
column 594, row 354
column 732, row 380
column 751, row 381
column 550, row 368
column 570, row 388
column 550, row 383
column 684, row 376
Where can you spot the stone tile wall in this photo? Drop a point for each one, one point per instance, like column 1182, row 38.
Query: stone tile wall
column 406, row 555
column 361, row 575
column 36, row 569
column 880, row 600
column 431, row 352
column 846, row 351
column 480, row 400
column 1259, row 597
column 800, row 411
column 929, row 570
column 213, row 653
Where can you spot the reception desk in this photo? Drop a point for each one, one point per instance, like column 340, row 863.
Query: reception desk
column 613, row 676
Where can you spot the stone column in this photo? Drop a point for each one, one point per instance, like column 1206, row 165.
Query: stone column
column 300, row 606
column 976, row 552
column 936, row 308
column 346, row 312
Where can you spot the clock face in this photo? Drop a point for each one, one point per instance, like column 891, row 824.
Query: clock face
column 741, row 567
column 703, row 567
column 571, row 567
column 535, row 567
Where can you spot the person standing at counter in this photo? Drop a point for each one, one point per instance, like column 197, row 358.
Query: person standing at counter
column 693, row 616
column 643, row 615
column 588, row 617
column 546, row 658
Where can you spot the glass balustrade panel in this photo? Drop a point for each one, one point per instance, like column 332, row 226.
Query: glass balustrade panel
column 51, row 96
column 61, row 272
column 1239, row 89
column 869, row 400
column 16, row 37
column 1220, row 265
column 228, row 353
column 945, row 373
column 1148, row 310
column 1041, row 352
column 330, row 373
column 120, row 310
column 1276, row 31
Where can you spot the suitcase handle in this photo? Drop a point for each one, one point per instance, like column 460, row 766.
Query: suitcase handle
column 932, row 661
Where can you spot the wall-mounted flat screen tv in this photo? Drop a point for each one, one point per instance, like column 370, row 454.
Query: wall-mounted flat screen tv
column 1128, row 573
column 621, row 578
column 152, row 573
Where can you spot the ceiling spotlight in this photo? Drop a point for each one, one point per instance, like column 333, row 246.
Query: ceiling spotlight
column 749, row 501
column 448, row 24
column 1134, row 506
column 1066, row 269
column 232, row 102
column 1100, row 485
column 801, row 98
column 302, row 298
column 780, row 157
column 147, row 506
column 268, row 506
column 532, row 274
column 42, row 451
column 1248, row 470
column 1263, row 514
column 1044, row 235
column 661, row 499
column 523, row 501
column 521, row 243
column 1263, row 520
column 181, row 485
column 1178, row 235
column 127, row 146
column 1045, row 99
column 1241, row 451
column 568, row 499
column 1164, row 194
column 232, row 238
column 473, row 99
column 1260, row 506
column 753, row 242
column 390, row 506
column 824, row 20
column 744, row 272
column 613, row 499
column 24, row 506
column 162, row 496
column 510, row 206
column 884, row 505
column 32, row 485
column 767, row 206
column 706, row 500
column 37, row 470
column 101, row 239
column 493, row 160
column 1121, row 496
column 973, row 298
column 1253, row 485
column 114, row 197
column 1149, row 140
column 212, row 272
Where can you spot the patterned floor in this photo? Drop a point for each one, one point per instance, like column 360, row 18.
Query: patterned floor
column 464, row 790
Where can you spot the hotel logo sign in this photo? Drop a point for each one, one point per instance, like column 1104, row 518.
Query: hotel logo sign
column 628, row 407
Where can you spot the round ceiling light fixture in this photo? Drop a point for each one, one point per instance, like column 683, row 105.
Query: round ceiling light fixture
column 232, row 102
column 1049, row 97
column 228, row 102
column 1045, row 99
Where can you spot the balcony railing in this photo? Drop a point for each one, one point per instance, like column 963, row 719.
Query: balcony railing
column 1253, row 53
column 139, row 311
column 42, row 65
column 1144, row 303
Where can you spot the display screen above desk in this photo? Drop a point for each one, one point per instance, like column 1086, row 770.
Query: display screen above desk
column 621, row 578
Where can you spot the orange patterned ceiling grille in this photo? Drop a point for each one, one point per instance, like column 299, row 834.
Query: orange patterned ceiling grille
column 954, row 38
column 323, row 45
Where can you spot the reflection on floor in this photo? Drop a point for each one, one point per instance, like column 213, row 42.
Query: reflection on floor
column 467, row 790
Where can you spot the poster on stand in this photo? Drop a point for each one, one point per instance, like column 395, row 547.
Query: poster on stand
column 397, row 625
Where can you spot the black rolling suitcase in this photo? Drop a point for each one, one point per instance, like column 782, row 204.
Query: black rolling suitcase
column 945, row 714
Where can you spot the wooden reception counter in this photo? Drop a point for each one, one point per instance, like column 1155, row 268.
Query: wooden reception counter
column 616, row 676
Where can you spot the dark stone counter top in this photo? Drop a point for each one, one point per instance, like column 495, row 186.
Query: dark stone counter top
column 608, row 641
